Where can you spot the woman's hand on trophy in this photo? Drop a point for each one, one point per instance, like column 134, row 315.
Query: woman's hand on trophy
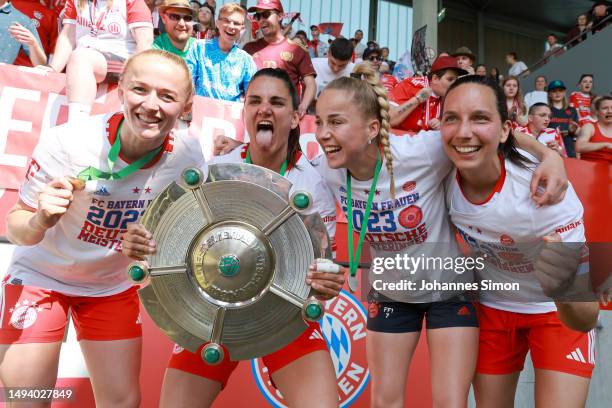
column 138, row 242
column 326, row 277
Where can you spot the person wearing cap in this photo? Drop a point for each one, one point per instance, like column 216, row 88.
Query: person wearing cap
column 465, row 59
column 178, row 17
column 564, row 117
column 316, row 47
column 416, row 102
column 220, row 69
column 96, row 52
column 274, row 50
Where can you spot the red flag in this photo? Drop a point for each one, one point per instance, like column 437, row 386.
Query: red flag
column 332, row 29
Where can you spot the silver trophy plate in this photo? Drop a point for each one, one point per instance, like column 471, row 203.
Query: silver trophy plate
column 231, row 261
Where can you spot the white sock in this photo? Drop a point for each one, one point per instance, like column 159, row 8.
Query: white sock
column 77, row 110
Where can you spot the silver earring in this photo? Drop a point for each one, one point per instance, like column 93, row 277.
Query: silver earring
column 370, row 141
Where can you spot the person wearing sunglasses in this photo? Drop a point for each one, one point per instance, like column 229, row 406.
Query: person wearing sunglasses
column 178, row 18
column 274, row 50
column 373, row 56
column 219, row 68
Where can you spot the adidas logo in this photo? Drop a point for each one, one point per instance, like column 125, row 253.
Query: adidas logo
column 576, row 355
column 463, row 311
column 139, row 319
column 102, row 191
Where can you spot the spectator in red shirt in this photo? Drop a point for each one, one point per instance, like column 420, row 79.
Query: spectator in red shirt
column 388, row 80
column 415, row 102
column 595, row 139
column 581, row 100
column 274, row 50
column 45, row 22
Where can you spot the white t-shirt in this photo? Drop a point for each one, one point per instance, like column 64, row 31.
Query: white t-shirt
column 302, row 177
column 534, row 97
column 325, row 74
column 418, row 215
column 517, row 68
column 81, row 255
column 508, row 228
column 108, row 30
column 359, row 49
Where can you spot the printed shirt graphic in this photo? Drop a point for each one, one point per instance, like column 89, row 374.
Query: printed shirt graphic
column 302, row 177
column 108, row 30
column 217, row 74
column 418, row 214
column 546, row 135
column 582, row 103
column 509, row 229
column 286, row 55
column 81, row 255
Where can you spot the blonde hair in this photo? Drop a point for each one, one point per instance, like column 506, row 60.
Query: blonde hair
column 230, row 8
column 168, row 57
column 370, row 96
column 83, row 3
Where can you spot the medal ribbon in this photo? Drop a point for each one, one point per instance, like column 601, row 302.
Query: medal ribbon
column 283, row 168
column 91, row 173
column 354, row 260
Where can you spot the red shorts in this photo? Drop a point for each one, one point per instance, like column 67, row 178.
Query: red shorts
column 310, row 341
column 505, row 338
column 34, row 315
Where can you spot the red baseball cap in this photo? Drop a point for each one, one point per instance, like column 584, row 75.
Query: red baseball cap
column 447, row 62
column 267, row 5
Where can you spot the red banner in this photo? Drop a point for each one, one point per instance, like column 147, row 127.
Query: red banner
column 333, row 29
column 32, row 101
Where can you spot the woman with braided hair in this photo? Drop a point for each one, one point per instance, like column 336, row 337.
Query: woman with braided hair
column 391, row 189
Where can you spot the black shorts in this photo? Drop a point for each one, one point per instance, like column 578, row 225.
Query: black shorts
column 397, row 317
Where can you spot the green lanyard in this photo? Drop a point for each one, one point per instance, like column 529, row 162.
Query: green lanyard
column 283, row 168
column 354, row 260
column 91, row 173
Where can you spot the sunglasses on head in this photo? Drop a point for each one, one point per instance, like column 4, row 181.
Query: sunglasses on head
column 188, row 18
column 264, row 14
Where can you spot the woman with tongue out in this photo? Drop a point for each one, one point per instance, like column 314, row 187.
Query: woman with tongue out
column 304, row 366
column 391, row 189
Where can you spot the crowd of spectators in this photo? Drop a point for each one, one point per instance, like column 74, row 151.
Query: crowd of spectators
column 90, row 43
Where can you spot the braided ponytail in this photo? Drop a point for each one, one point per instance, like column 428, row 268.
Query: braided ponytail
column 370, row 76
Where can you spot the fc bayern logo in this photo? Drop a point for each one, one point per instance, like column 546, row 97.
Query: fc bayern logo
column 24, row 314
column 344, row 330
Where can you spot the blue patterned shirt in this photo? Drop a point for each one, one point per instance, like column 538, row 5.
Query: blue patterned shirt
column 10, row 47
column 217, row 74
